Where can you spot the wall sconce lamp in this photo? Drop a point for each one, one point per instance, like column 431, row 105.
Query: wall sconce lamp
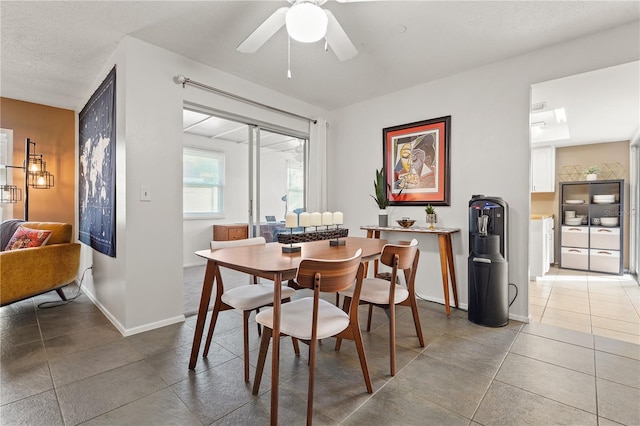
column 35, row 176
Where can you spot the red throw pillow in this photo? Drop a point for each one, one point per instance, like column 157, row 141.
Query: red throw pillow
column 27, row 238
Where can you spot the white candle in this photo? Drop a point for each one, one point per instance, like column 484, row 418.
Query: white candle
column 338, row 218
column 291, row 220
column 327, row 218
column 316, row 219
column 304, row 219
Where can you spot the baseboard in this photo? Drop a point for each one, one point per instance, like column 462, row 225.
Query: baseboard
column 520, row 318
column 465, row 307
column 135, row 330
column 154, row 325
column 105, row 311
column 462, row 306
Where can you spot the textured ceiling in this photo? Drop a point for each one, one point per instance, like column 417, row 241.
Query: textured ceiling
column 52, row 52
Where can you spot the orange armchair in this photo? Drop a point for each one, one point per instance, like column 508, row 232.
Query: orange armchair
column 31, row 271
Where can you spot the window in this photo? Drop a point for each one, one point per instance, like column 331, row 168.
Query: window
column 202, row 183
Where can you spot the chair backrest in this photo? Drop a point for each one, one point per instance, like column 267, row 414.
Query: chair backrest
column 406, row 254
column 333, row 275
column 215, row 245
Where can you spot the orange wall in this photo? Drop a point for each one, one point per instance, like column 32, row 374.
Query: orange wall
column 53, row 130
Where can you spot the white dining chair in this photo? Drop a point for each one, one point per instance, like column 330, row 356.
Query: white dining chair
column 386, row 294
column 312, row 318
column 246, row 298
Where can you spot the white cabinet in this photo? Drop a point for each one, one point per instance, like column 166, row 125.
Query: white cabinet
column 543, row 169
column 541, row 249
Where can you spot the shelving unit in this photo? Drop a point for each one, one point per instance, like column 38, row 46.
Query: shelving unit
column 591, row 246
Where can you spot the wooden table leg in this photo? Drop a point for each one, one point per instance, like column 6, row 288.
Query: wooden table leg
column 452, row 270
column 442, row 240
column 205, row 298
column 375, row 262
column 275, row 355
column 372, row 234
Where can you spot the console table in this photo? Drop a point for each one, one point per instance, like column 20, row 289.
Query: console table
column 446, row 254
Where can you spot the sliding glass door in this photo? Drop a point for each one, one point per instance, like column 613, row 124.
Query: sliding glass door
column 238, row 172
column 277, row 175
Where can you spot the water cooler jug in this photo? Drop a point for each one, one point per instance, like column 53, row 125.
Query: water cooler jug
column 488, row 261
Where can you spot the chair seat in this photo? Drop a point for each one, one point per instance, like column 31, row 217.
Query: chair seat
column 376, row 290
column 252, row 296
column 296, row 319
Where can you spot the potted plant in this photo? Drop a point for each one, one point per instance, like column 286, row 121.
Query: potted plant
column 592, row 172
column 380, row 186
column 432, row 217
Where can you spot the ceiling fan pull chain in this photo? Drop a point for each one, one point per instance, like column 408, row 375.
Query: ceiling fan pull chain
column 288, row 57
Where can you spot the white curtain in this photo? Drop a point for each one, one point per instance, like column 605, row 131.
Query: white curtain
column 317, row 166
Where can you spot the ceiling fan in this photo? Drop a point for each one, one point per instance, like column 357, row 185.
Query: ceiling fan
column 306, row 22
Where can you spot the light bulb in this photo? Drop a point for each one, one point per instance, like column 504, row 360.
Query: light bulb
column 40, row 181
column 306, row 22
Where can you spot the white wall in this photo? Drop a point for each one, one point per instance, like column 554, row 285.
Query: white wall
column 489, row 147
column 141, row 288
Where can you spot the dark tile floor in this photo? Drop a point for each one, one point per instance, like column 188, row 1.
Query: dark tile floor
column 68, row 365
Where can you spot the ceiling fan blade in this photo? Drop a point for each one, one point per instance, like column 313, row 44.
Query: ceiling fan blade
column 338, row 40
column 264, row 32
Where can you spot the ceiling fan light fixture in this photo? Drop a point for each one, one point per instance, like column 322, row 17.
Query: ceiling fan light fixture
column 306, row 22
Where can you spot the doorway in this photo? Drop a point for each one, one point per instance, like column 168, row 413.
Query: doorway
column 574, row 298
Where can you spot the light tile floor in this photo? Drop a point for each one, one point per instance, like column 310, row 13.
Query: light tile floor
column 69, row 366
column 599, row 304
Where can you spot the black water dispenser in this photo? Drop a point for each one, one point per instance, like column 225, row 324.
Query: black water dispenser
column 488, row 261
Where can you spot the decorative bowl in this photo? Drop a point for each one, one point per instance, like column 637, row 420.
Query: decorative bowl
column 406, row 223
column 609, row 221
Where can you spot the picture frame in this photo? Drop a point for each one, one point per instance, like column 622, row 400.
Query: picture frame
column 416, row 162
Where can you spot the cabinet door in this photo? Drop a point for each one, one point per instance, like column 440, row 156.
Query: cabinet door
column 543, row 169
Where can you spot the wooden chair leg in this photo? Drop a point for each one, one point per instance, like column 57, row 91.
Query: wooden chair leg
column 345, row 307
column 258, row 324
column 245, row 329
column 61, row 294
column 357, row 339
column 212, row 326
column 296, row 346
column 312, row 366
column 416, row 319
column 369, row 317
column 262, row 357
column 392, row 338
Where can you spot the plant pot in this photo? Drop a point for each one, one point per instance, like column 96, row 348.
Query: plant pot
column 592, row 176
column 432, row 219
column 383, row 218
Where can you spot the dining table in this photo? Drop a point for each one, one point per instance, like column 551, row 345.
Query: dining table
column 270, row 262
